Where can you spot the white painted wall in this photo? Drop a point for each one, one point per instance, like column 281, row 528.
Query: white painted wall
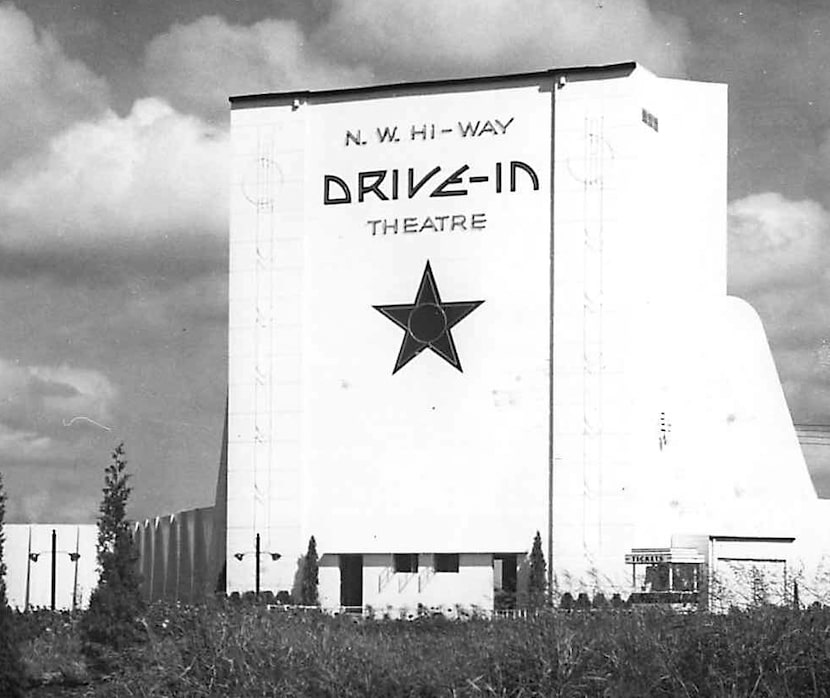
column 639, row 293
column 78, row 578
column 667, row 418
column 403, row 594
column 323, row 439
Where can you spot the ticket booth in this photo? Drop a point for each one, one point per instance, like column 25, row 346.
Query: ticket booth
column 666, row 575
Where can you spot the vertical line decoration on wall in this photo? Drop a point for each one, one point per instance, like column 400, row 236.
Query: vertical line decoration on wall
column 263, row 339
column 592, row 321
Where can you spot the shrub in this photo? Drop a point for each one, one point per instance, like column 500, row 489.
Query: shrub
column 504, row 600
column 310, row 576
column 583, row 603
column 537, row 582
column 600, row 602
column 110, row 624
column 11, row 667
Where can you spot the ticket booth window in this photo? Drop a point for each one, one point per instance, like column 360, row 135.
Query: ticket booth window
column 671, row 576
column 665, row 572
column 685, row 576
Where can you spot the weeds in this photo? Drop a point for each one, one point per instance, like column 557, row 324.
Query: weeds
column 238, row 649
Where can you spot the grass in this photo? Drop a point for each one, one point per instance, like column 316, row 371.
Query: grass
column 226, row 649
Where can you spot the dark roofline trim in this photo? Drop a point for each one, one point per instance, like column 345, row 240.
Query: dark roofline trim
column 753, row 539
column 611, row 70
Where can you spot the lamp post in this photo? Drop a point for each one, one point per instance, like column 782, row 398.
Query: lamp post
column 257, row 552
column 35, row 554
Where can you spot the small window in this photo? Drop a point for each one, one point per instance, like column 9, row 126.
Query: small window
column 406, row 562
column 650, row 120
column 446, row 562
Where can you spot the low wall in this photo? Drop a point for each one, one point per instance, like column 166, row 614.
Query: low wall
column 175, row 559
column 28, row 554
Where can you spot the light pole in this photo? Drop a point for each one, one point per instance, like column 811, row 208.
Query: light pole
column 35, row 554
column 257, row 552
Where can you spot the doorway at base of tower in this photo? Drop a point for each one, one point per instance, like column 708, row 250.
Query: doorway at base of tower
column 351, row 582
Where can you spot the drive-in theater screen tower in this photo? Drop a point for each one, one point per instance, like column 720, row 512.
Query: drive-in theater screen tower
column 468, row 310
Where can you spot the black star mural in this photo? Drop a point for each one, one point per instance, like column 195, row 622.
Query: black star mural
column 427, row 322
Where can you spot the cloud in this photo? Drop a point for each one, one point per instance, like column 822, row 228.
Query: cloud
column 778, row 251
column 200, row 302
column 774, row 241
column 169, row 261
column 197, row 66
column 437, row 38
column 72, row 392
column 62, row 503
column 38, row 401
column 19, row 444
column 41, row 89
column 151, row 174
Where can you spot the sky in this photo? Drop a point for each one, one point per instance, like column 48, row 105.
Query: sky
column 114, row 197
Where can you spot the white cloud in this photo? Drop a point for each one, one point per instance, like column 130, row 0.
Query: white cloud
column 39, row 400
column 74, row 392
column 775, row 241
column 197, row 66
column 153, row 172
column 41, row 89
column 21, row 444
column 400, row 38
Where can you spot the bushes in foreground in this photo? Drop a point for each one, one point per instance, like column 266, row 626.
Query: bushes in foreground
column 11, row 668
column 245, row 650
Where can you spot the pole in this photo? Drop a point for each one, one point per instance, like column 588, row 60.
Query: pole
column 54, row 564
column 28, row 570
column 75, row 580
column 257, row 565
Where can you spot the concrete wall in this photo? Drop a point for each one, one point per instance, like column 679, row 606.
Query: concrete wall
column 175, row 555
column 404, row 593
column 174, row 560
column 323, row 439
column 611, row 396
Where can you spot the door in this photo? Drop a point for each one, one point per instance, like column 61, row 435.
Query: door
column 743, row 583
column 504, row 581
column 351, row 581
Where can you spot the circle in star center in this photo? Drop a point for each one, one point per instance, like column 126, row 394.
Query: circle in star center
column 427, row 322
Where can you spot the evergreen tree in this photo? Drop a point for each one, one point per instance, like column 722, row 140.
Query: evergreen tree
column 117, row 556
column 308, row 586
column 537, row 582
column 111, row 622
column 11, row 667
column 3, row 598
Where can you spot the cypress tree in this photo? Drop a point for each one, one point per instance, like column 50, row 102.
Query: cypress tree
column 308, row 587
column 111, row 622
column 116, row 551
column 3, row 598
column 537, row 582
column 11, row 667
